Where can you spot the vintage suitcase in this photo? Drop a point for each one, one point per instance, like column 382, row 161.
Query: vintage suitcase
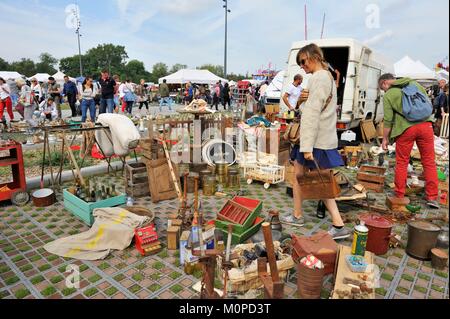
column 321, row 245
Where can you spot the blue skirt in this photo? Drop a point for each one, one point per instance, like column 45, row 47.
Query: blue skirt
column 326, row 159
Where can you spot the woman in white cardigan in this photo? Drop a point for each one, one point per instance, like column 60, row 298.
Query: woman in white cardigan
column 318, row 134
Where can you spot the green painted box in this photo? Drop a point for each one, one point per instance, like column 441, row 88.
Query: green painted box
column 241, row 238
column 84, row 210
column 253, row 204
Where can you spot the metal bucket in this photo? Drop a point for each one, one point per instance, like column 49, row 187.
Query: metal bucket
column 379, row 233
column 309, row 282
column 422, row 237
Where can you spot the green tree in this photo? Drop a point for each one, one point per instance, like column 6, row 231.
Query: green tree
column 135, row 71
column 70, row 66
column 24, row 66
column 4, row 65
column 177, row 67
column 47, row 64
column 216, row 69
column 106, row 56
column 159, row 70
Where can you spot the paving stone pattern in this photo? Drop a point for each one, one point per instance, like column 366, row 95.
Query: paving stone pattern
column 28, row 271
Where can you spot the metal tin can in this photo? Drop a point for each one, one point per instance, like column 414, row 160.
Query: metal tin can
column 209, row 185
column 233, row 178
column 360, row 235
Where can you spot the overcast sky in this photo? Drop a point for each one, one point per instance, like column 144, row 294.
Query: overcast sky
column 192, row 31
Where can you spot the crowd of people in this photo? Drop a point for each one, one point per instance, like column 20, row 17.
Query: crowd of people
column 43, row 100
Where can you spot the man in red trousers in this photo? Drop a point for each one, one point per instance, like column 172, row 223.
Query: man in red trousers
column 405, row 133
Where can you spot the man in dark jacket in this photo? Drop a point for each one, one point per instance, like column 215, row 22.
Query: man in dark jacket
column 70, row 91
column 405, row 133
column 108, row 85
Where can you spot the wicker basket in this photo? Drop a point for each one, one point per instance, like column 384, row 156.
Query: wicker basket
column 142, row 211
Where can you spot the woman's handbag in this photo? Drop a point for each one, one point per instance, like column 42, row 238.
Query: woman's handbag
column 292, row 133
column 318, row 184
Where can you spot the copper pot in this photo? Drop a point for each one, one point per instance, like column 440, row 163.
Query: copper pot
column 43, row 197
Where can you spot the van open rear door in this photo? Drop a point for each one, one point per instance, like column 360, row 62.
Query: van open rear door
column 361, row 85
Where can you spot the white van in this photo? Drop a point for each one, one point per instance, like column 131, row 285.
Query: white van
column 359, row 97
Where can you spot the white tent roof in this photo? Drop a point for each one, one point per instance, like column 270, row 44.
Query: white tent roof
column 59, row 77
column 416, row 70
column 275, row 87
column 442, row 74
column 232, row 83
column 10, row 75
column 193, row 76
column 41, row 77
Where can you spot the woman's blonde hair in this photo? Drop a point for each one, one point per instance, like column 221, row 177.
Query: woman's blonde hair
column 20, row 82
column 313, row 52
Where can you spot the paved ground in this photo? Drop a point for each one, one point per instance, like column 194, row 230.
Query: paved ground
column 28, row 271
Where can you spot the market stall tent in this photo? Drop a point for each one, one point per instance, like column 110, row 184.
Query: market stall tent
column 59, row 77
column 10, row 75
column 41, row 77
column 415, row 70
column 193, row 76
column 442, row 74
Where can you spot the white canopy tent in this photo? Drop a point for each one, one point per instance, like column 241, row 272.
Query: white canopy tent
column 274, row 89
column 41, row 77
column 59, row 77
column 442, row 75
column 415, row 70
column 193, row 76
column 10, row 75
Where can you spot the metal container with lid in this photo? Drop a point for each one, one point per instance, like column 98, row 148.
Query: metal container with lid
column 422, row 237
column 233, row 178
column 203, row 174
column 221, row 168
column 209, row 185
column 380, row 229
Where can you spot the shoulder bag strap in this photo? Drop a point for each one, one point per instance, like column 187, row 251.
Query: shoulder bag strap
column 330, row 97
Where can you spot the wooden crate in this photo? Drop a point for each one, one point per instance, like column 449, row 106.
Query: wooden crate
column 372, row 178
column 136, row 180
column 83, row 210
column 255, row 206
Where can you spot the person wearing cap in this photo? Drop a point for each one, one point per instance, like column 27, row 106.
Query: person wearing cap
column 48, row 109
column 54, row 90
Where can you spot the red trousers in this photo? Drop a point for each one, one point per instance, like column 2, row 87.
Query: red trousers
column 6, row 103
column 423, row 135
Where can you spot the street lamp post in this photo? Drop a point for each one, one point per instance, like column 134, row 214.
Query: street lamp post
column 77, row 31
column 226, row 37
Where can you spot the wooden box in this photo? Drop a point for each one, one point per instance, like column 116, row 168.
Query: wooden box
column 83, row 210
column 254, row 205
column 397, row 204
column 343, row 271
column 372, row 178
column 173, row 236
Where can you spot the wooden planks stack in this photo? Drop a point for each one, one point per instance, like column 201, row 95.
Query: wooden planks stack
column 372, row 178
